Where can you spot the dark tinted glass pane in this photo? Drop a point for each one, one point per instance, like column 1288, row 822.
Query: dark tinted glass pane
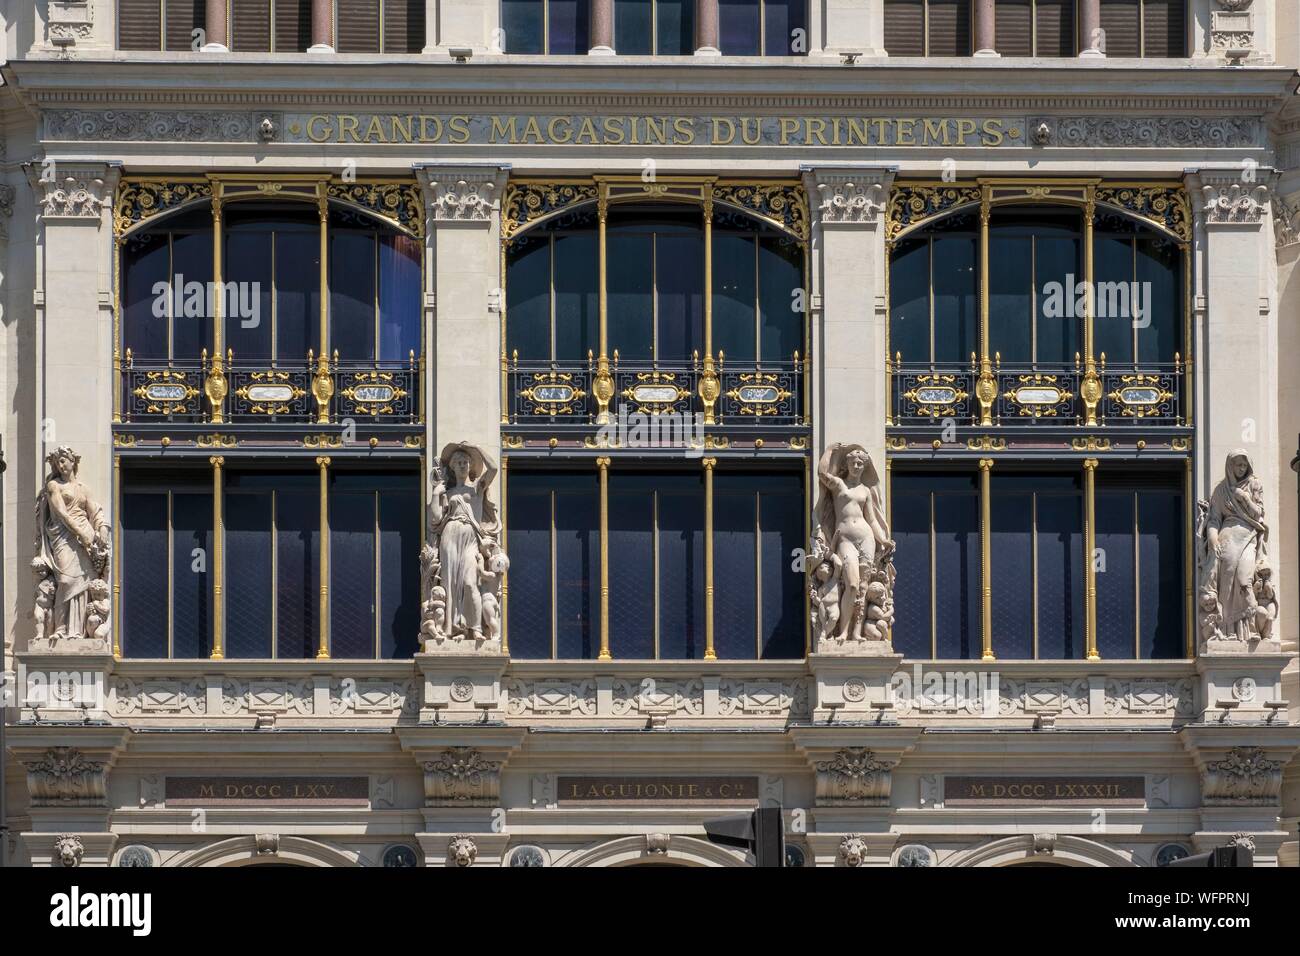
column 910, row 511
column 782, row 633
column 1011, row 540
column 357, row 25
column 249, row 574
column 785, row 28
column 1120, row 29
column 577, row 558
column 352, row 295
column 522, row 22
column 1160, row 287
column 738, row 27
column 568, row 32
column 1165, row 30
column 629, row 294
column 292, row 25
column 780, row 274
column 679, row 273
column 905, row 27
column 909, row 297
column 399, row 571
column 735, row 523
column 246, row 304
column 1113, row 264
column 192, row 259
column 297, row 563
column 949, row 28
column 675, row 27
column 681, row 567
column 138, row 27
column 1162, row 564
column 1114, row 564
column 250, row 26
column 957, row 573
column 399, row 298
column 352, row 574
column 631, row 577
column 734, row 295
column 1014, row 27
column 528, row 300
column 577, row 296
column 1011, row 296
column 1055, row 28
column 145, row 262
column 297, row 293
column 191, row 570
column 956, row 298
column 1057, row 261
column 528, row 542
column 633, row 33
column 144, row 575
column 1060, row 576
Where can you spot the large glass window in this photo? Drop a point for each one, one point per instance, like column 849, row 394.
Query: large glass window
column 1028, row 250
column 762, row 27
column 545, row 26
column 1035, row 27
column 1144, row 28
column 934, row 294
column 1139, row 299
column 928, row 27
column 662, row 27
column 656, row 548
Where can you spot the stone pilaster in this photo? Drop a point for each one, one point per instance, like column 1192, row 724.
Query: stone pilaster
column 852, row 26
column 463, row 24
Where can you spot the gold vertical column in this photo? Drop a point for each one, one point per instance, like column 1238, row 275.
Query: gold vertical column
column 603, row 464
column 218, row 559
column 710, row 654
column 117, row 329
column 323, row 651
column 710, row 388
column 986, row 560
column 505, row 575
column 116, row 557
column 322, row 384
column 215, row 386
column 986, row 387
column 1090, row 389
column 602, row 386
column 1090, row 547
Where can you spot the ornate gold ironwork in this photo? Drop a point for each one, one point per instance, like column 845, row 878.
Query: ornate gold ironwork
column 527, row 203
column 166, row 378
column 322, row 441
column 322, row 386
column 911, row 204
column 1165, row 206
column 398, row 202
column 553, row 406
column 1037, row 380
column 269, row 377
column 935, row 409
column 1090, row 443
column 141, row 199
column 373, row 406
column 765, row 407
column 784, row 205
column 896, row 443
column 656, row 379
column 1140, row 409
column 986, row 443
column 216, row 440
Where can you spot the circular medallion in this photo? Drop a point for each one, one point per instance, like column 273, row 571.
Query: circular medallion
column 855, row 689
column 400, row 855
column 462, row 689
column 527, row 856
column 135, row 856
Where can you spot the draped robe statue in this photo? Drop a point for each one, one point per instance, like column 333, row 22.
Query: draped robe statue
column 851, row 565
column 463, row 565
column 1237, row 597
column 72, row 552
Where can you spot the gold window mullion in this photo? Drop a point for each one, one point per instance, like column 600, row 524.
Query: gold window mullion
column 171, row 579
column 1189, row 626
column 710, row 652
column 1089, row 567
column 378, row 579
column 218, row 558
column 986, row 388
column 603, row 464
column 655, row 552
column 215, row 385
column 555, row 590
column 275, row 574
column 323, row 649
column 986, row 560
column 1033, row 552
column 505, row 575
column 934, row 598
column 758, row 579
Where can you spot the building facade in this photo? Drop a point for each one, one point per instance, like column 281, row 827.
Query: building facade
column 462, row 432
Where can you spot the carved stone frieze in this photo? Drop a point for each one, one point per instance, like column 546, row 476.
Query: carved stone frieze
column 657, row 697
column 1244, row 777
column 461, row 777
column 163, row 697
column 971, row 694
column 181, row 126
column 63, row 777
column 854, row 776
column 1154, row 131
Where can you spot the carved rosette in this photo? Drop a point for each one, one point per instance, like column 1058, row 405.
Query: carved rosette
column 461, row 777
column 854, row 776
column 65, row 778
column 1245, row 777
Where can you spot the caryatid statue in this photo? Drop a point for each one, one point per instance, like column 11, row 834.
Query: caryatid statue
column 72, row 552
column 1237, row 597
column 851, row 566
column 462, row 566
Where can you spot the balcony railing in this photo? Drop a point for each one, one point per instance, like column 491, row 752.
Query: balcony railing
column 555, row 393
column 281, row 392
column 1040, row 394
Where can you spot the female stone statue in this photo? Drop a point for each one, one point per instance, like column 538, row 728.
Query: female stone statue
column 1234, row 550
column 71, row 549
column 852, row 528
column 464, row 573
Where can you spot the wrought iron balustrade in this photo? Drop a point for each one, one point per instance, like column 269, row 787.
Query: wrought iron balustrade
column 307, row 391
column 1041, row 394
column 558, row 393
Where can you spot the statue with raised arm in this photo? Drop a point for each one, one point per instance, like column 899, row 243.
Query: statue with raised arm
column 1237, row 599
column 462, row 565
column 72, row 551
column 853, row 540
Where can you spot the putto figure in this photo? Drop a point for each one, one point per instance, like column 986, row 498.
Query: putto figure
column 852, row 559
column 463, row 565
column 1237, row 599
column 72, row 552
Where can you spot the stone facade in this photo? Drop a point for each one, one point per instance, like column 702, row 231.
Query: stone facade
column 473, row 758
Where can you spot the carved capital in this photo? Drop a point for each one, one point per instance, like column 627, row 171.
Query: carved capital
column 1244, row 777
column 462, row 193
column 846, row 194
column 1235, row 196
column 63, row 777
column 1286, row 219
column 461, row 777
column 854, row 776
column 73, row 191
